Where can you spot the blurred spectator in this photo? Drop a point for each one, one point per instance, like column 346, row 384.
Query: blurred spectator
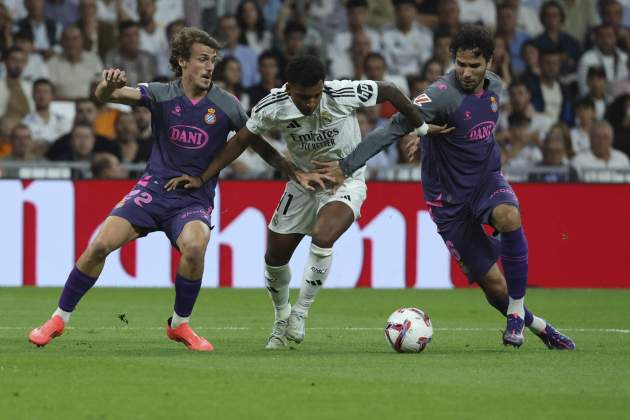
column 164, row 65
column 142, row 115
column 620, row 87
column 520, row 102
column 428, row 13
column 380, row 14
column 548, row 94
column 269, row 77
column 531, row 57
column 6, row 28
column 227, row 74
column 16, row 94
column 597, row 87
column 348, row 64
column 579, row 17
column 527, row 20
column 601, row 154
column 7, row 124
column 46, row 125
column 407, row 45
column 555, row 161
column 139, row 65
column 611, row 13
column 431, row 70
column 22, row 146
column 107, row 166
column 605, row 54
column 16, row 8
column 618, row 114
column 128, row 138
column 99, row 36
column 36, row 67
column 152, row 34
column 448, row 17
column 73, row 71
column 293, row 36
column 375, row 68
column 294, row 21
column 65, row 12
column 45, row 32
column 357, row 14
column 254, row 32
column 478, row 11
column 442, row 50
column 518, row 151
column 506, row 28
column 230, row 34
column 554, row 38
column 500, row 63
column 585, row 117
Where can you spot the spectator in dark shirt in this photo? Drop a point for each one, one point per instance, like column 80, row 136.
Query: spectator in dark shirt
column 269, row 77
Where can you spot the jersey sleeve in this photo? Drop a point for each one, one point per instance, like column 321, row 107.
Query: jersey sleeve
column 260, row 121
column 352, row 93
column 148, row 94
column 238, row 116
column 438, row 102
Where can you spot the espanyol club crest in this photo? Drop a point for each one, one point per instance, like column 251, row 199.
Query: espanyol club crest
column 494, row 106
column 210, row 118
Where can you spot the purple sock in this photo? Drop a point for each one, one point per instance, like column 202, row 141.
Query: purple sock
column 76, row 286
column 514, row 260
column 501, row 305
column 186, row 292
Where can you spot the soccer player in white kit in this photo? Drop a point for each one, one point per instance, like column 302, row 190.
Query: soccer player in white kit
column 318, row 121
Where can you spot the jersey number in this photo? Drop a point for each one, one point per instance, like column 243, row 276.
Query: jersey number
column 364, row 92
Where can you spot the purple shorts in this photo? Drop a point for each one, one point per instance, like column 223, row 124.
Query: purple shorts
column 148, row 207
column 461, row 225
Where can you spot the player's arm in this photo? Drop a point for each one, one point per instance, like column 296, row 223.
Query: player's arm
column 113, row 88
column 388, row 91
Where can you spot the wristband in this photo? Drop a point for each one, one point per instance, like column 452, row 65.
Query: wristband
column 422, row 130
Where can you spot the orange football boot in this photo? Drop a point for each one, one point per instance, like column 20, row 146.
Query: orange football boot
column 186, row 335
column 44, row 334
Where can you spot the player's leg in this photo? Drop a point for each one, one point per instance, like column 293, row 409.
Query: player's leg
column 114, row 233
column 494, row 286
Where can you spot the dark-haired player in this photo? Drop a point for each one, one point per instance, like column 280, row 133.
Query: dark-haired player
column 463, row 184
column 191, row 121
column 318, row 121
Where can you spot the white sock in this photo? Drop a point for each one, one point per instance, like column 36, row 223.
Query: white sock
column 277, row 280
column 63, row 314
column 517, row 306
column 178, row 320
column 315, row 274
column 538, row 325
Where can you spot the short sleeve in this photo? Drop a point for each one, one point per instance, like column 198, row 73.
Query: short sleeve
column 238, row 116
column 352, row 93
column 438, row 101
column 147, row 95
column 260, row 121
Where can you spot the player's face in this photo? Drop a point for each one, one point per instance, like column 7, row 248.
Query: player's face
column 470, row 70
column 199, row 67
column 306, row 98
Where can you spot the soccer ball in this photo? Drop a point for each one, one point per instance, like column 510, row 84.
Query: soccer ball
column 408, row 330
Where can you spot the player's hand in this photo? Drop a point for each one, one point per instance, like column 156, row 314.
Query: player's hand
column 188, row 182
column 439, row 129
column 114, row 78
column 332, row 171
column 312, row 181
column 412, row 149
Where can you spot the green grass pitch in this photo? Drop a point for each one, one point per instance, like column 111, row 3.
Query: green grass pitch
column 103, row 368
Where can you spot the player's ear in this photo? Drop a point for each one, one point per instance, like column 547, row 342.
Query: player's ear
column 182, row 63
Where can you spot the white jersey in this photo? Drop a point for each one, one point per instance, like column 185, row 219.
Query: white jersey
column 330, row 133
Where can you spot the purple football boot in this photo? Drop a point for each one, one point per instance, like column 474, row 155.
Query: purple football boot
column 553, row 339
column 513, row 334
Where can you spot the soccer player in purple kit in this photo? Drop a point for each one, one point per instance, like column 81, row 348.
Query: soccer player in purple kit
column 191, row 119
column 463, row 183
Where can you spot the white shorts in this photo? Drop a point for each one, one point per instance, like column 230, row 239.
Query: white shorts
column 297, row 210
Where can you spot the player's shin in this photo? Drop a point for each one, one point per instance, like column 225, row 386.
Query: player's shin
column 515, row 263
column 186, row 292
column 76, row 286
column 277, row 280
column 315, row 274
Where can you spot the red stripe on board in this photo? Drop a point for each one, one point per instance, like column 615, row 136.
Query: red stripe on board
column 225, row 266
column 128, row 258
column 365, row 279
column 175, row 256
column 29, row 259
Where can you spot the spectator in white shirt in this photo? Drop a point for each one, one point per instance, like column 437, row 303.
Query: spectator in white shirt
column 519, row 151
column 357, row 15
column 152, row 34
column 348, row 64
column 601, row 155
column 254, row 32
column 408, row 45
column 46, row 125
column 520, row 101
column 36, row 67
column 584, row 118
column 478, row 11
column 605, row 54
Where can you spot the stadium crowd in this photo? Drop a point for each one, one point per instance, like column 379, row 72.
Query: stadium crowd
column 565, row 109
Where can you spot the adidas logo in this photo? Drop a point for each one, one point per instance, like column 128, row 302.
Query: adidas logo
column 314, row 282
column 294, row 124
column 347, row 197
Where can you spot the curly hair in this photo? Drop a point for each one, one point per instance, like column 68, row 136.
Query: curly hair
column 473, row 38
column 182, row 45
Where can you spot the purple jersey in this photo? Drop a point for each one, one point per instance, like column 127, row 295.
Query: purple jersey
column 188, row 135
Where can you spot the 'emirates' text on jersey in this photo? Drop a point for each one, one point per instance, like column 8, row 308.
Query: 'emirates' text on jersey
column 330, row 133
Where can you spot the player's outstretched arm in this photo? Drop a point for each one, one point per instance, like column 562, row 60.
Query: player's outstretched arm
column 388, row 91
column 113, row 88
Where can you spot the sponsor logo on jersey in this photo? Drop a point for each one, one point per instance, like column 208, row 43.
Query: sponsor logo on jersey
column 294, row 124
column 315, row 141
column 364, row 91
column 494, row 106
column 210, row 118
column 481, row 131
column 187, row 136
column 422, row 99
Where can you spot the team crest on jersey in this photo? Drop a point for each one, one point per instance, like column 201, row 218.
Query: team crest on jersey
column 422, row 99
column 210, row 118
column 494, row 106
column 326, row 117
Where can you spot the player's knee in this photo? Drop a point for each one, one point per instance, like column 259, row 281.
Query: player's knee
column 506, row 218
column 99, row 250
column 275, row 260
column 193, row 250
column 323, row 237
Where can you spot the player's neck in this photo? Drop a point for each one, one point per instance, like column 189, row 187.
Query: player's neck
column 192, row 91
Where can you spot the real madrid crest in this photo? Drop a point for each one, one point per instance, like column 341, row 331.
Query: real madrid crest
column 210, row 118
column 494, row 106
column 326, row 117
